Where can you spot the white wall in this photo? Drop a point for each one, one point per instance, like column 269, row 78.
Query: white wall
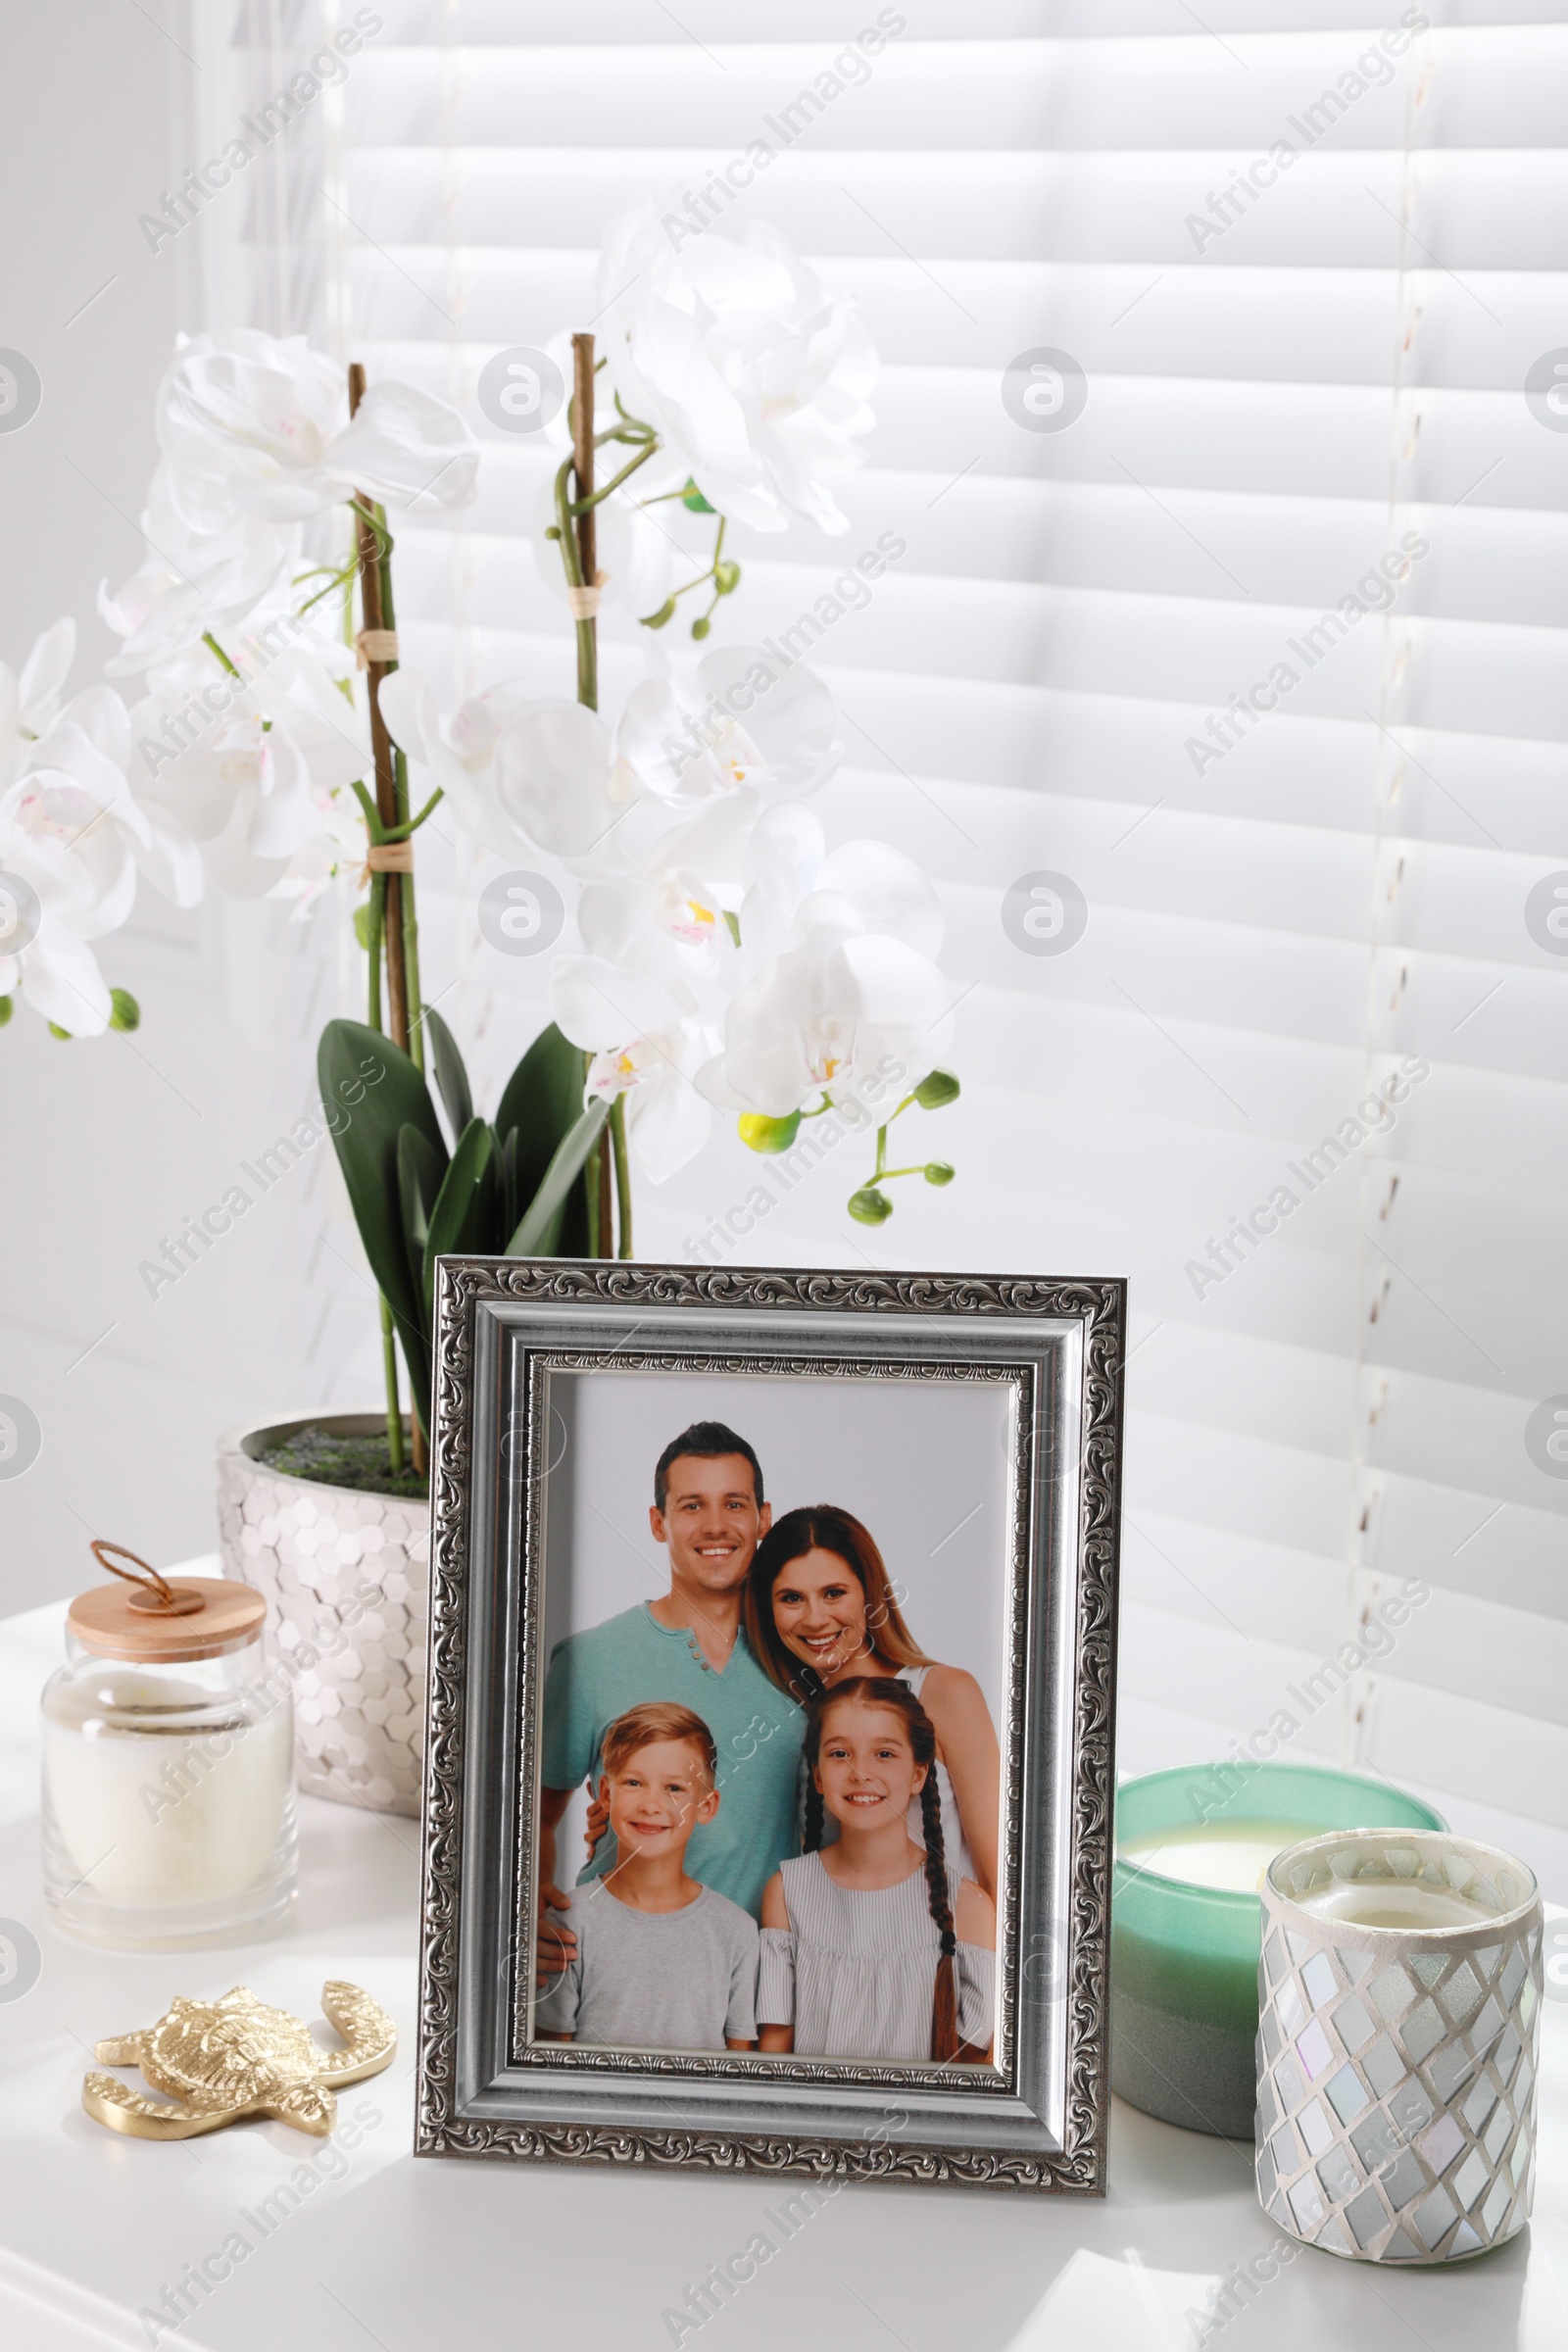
column 108, row 1143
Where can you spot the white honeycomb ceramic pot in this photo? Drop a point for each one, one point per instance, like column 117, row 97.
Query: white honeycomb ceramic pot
column 347, row 1581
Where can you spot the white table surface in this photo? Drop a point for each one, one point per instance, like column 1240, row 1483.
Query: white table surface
column 446, row 2256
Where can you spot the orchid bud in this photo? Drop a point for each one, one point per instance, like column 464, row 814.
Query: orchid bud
column 769, row 1135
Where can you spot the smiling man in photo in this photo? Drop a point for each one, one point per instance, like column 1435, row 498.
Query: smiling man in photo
column 687, row 1647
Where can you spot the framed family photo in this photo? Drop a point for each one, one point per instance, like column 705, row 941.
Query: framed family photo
column 769, row 1747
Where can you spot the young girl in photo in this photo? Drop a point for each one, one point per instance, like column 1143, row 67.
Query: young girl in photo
column 872, row 1946
column 821, row 1610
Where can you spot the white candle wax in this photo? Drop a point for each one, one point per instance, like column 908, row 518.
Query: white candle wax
column 1229, row 1857
column 1393, row 1903
column 155, row 1818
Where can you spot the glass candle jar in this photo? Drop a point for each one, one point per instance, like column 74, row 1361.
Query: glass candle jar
column 1191, row 1849
column 1398, row 2045
column 167, row 1768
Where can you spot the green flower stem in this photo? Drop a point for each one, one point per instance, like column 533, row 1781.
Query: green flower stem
column 393, row 1410
column 582, row 506
column 404, row 832
column 393, row 927
column 587, row 640
column 574, row 533
column 411, row 957
column 389, row 1352
column 367, row 809
column 617, row 1137
column 210, row 640
column 587, row 666
column 401, row 826
column 882, row 1173
column 718, row 550
column 590, row 1177
column 375, row 926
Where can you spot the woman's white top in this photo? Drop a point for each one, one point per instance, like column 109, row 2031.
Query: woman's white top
column 955, row 1845
column 856, row 1970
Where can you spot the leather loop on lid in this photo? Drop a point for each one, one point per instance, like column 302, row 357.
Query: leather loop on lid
column 199, row 1618
column 153, row 1593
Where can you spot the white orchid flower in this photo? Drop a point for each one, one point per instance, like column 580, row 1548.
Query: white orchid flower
column 29, row 702
column 523, row 774
column 527, row 774
column 740, row 720
column 677, row 915
column 756, row 380
column 839, row 951
column 71, row 831
column 648, row 1038
column 261, row 426
column 198, row 576
column 256, row 769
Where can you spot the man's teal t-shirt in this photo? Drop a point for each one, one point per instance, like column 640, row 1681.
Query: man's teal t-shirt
column 758, row 1730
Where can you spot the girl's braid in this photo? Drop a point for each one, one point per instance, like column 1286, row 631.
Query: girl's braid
column 944, row 2003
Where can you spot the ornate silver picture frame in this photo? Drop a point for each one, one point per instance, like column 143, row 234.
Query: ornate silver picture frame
column 515, row 1341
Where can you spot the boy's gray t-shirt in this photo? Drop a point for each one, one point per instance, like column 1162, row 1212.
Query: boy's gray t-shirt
column 655, row 1979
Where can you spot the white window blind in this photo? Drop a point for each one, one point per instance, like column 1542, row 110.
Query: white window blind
column 1306, row 255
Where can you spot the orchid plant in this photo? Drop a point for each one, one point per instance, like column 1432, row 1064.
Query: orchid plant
column 728, row 959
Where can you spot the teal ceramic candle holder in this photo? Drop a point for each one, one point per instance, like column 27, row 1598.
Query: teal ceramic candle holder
column 1184, row 1956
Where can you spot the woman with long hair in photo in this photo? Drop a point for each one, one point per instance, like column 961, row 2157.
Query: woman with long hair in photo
column 875, row 1946
column 820, row 1609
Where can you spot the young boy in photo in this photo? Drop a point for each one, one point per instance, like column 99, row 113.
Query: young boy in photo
column 661, row 1962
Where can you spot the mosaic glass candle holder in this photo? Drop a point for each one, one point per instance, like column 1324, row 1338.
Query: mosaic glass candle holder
column 1400, row 1994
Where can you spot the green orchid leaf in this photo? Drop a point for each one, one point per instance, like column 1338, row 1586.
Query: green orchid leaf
column 541, row 1104
column 462, row 1220
column 532, row 1237
column 420, row 1178
column 371, row 1091
column 511, row 1205
column 451, row 1078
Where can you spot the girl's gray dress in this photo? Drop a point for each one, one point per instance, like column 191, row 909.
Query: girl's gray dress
column 856, row 1970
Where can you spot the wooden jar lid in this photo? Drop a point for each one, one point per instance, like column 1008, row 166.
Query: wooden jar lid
column 108, row 1621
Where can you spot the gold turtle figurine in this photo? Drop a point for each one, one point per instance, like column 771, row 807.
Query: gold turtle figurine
column 220, row 2060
